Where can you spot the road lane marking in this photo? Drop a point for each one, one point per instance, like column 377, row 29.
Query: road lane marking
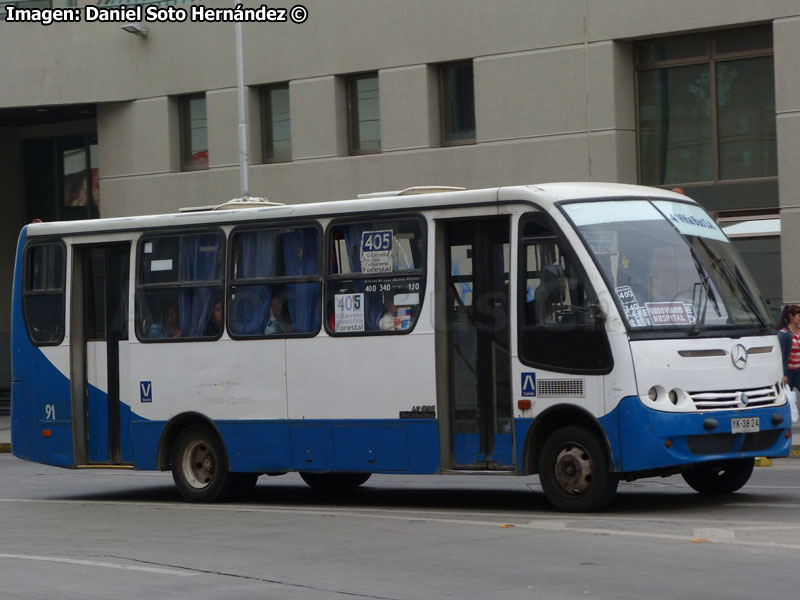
column 714, row 534
column 582, row 524
column 96, row 563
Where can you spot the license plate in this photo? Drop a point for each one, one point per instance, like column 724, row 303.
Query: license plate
column 745, row 425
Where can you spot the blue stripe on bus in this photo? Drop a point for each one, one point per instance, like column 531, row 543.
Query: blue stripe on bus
column 380, row 446
column 467, row 450
column 638, row 435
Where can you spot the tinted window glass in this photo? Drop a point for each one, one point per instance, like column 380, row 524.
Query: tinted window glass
column 180, row 286
column 376, row 278
column 275, row 286
column 44, row 293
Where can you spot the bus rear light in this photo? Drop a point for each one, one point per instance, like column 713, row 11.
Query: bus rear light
column 788, row 434
column 47, row 433
column 668, row 444
column 524, row 404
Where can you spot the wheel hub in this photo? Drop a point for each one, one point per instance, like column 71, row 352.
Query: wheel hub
column 198, row 464
column 573, row 470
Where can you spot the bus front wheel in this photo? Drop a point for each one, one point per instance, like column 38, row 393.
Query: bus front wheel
column 334, row 482
column 199, row 465
column 720, row 478
column 574, row 471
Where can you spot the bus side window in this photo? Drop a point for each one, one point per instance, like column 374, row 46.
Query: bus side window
column 275, row 282
column 375, row 280
column 179, row 286
column 44, row 293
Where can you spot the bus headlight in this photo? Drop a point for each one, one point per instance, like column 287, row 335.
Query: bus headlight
column 673, row 397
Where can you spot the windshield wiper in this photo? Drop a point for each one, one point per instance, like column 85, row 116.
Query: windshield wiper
column 700, row 314
column 737, row 283
column 745, row 291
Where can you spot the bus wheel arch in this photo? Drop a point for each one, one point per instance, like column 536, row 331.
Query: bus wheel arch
column 551, row 420
column 173, row 429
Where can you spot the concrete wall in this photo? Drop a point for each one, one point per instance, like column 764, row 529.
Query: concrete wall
column 787, row 104
column 554, row 92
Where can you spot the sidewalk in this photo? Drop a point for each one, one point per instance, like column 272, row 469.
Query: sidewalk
column 5, row 436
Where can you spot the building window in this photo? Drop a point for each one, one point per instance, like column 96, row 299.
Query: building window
column 61, row 178
column 457, row 93
column 194, row 132
column 706, row 107
column 277, row 123
column 364, row 113
column 39, row 4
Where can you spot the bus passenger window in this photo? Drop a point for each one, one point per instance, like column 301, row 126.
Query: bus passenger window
column 44, row 293
column 376, row 276
column 275, row 283
column 179, row 286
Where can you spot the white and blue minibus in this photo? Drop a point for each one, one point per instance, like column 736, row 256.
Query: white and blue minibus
column 585, row 332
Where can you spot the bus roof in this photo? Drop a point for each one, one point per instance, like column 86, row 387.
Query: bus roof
column 545, row 195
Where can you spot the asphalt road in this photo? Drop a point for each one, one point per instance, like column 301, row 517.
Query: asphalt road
column 122, row 534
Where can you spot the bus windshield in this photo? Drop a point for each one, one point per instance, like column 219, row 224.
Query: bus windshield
column 669, row 266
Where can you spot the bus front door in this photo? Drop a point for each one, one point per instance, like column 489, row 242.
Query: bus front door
column 476, row 256
column 99, row 324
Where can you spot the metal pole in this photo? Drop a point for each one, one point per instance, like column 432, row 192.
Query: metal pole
column 242, row 114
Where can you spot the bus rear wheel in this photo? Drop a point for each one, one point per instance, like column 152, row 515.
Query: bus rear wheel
column 574, row 471
column 334, row 482
column 199, row 465
column 720, row 478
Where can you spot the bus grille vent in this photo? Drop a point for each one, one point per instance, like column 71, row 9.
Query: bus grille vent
column 726, row 400
column 560, row 388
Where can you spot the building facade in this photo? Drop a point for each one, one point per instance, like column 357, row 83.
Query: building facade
column 368, row 95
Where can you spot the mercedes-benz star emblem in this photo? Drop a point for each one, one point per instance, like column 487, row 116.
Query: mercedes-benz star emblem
column 739, row 356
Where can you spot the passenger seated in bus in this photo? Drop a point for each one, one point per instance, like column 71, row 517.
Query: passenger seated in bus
column 387, row 322
column 169, row 327
column 277, row 323
column 395, row 318
column 215, row 325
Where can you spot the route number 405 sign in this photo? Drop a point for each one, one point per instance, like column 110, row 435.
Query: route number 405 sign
column 376, row 251
column 349, row 312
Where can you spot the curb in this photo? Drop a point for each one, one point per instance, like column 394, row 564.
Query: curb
column 5, row 447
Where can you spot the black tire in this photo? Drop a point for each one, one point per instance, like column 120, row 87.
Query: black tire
column 332, row 483
column 573, row 470
column 720, row 478
column 200, row 465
